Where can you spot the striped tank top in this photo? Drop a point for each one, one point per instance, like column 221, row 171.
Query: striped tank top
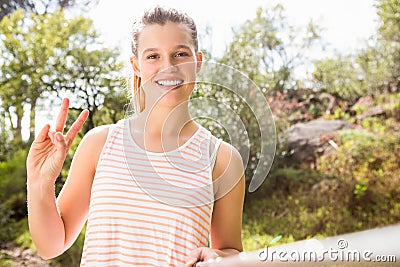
column 149, row 208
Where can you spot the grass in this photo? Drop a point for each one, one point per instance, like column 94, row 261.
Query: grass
column 6, row 260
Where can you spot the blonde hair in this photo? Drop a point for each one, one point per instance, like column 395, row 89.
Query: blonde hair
column 157, row 15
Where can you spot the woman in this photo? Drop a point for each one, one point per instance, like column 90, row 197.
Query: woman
column 153, row 187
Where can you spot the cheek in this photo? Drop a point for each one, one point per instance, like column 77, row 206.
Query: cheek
column 190, row 69
column 147, row 71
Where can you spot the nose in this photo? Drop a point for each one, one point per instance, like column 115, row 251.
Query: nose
column 169, row 65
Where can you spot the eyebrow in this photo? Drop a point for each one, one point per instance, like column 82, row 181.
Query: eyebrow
column 176, row 47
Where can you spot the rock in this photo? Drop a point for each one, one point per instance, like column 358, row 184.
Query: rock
column 22, row 257
column 306, row 140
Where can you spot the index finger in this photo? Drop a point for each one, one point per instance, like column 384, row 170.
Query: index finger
column 62, row 115
column 77, row 125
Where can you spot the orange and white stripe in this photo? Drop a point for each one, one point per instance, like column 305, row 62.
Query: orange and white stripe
column 147, row 208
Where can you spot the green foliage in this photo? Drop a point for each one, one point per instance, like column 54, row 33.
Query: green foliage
column 43, row 54
column 6, row 221
column 285, row 205
column 263, row 47
column 22, row 237
column 113, row 108
column 6, row 260
column 354, row 188
column 374, row 69
column 12, row 194
column 368, row 164
column 340, row 76
column 13, row 183
column 340, row 114
column 375, row 64
column 388, row 12
column 95, row 71
column 261, row 54
column 361, row 188
column 237, row 125
column 29, row 45
column 41, row 7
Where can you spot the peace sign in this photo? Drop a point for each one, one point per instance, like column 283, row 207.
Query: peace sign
column 48, row 151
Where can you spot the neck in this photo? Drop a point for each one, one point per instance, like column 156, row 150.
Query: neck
column 164, row 119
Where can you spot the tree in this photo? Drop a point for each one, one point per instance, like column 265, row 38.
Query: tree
column 44, row 53
column 389, row 37
column 90, row 74
column 29, row 44
column 90, row 78
column 381, row 61
column 14, row 66
column 389, row 15
column 4, row 136
column 371, row 70
column 7, row 7
column 340, row 76
column 267, row 49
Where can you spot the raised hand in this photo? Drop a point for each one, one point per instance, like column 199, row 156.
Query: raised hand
column 48, row 151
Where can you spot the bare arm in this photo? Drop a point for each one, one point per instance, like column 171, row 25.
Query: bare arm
column 226, row 223
column 73, row 201
column 54, row 225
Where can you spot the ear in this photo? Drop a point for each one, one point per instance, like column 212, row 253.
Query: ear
column 135, row 66
column 199, row 61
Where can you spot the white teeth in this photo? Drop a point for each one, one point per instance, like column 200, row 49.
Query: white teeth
column 170, row 82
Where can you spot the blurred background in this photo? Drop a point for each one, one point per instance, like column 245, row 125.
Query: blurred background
column 329, row 71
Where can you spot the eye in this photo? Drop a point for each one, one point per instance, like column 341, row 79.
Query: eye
column 182, row 54
column 152, row 56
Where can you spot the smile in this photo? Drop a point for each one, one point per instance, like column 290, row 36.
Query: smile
column 169, row 82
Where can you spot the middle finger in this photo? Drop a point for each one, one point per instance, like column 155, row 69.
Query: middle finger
column 62, row 115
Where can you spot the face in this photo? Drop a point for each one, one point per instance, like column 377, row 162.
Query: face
column 167, row 63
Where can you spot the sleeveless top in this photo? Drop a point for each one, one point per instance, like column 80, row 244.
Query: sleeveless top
column 149, row 208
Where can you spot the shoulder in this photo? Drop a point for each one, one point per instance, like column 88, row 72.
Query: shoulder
column 228, row 151
column 97, row 135
column 225, row 151
column 228, row 160
column 92, row 144
column 228, row 173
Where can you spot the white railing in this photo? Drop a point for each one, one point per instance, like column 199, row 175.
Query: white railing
column 376, row 247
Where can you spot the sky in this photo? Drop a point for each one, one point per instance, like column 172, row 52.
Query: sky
column 346, row 24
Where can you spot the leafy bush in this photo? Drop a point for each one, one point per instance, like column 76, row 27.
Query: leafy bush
column 6, row 260
column 22, row 237
column 368, row 164
column 6, row 230
column 12, row 194
column 282, row 206
column 354, row 188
